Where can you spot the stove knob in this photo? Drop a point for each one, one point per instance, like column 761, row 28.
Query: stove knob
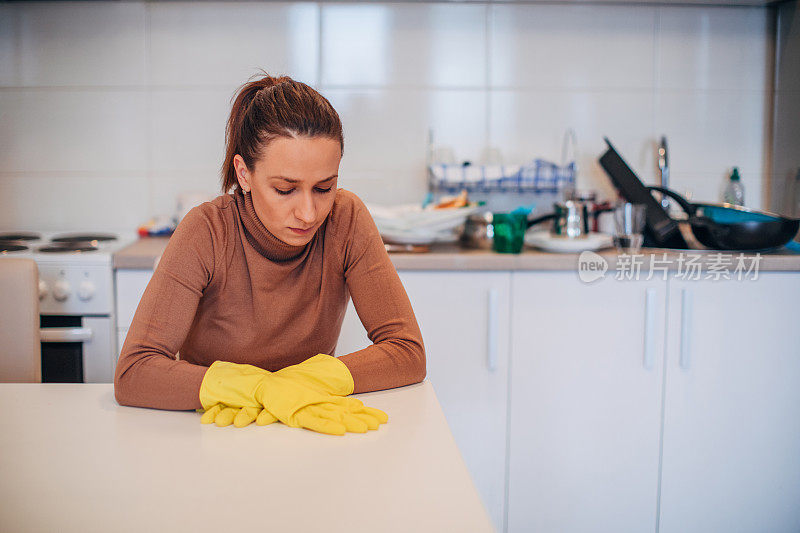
column 42, row 289
column 61, row 290
column 86, row 290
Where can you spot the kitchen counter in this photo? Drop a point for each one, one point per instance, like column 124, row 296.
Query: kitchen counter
column 143, row 254
column 75, row 460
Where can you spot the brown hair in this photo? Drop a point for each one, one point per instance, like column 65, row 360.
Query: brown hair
column 274, row 107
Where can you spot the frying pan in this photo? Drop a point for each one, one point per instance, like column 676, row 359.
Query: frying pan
column 733, row 227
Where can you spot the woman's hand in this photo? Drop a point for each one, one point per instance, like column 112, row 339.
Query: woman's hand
column 223, row 415
column 334, row 418
column 310, row 394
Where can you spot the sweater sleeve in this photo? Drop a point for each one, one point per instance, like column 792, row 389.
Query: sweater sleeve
column 397, row 355
column 148, row 373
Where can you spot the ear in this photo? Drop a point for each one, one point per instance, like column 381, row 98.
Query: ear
column 242, row 173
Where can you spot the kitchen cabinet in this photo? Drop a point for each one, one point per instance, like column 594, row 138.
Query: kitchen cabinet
column 608, row 379
column 731, row 459
column 464, row 319
column 130, row 286
column 585, row 403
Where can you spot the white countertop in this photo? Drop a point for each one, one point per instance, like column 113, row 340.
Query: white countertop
column 74, row 460
column 143, row 253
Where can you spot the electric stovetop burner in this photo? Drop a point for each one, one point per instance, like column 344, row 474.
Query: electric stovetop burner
column 84, row 237
column 11, row 247
column 20, row 236
column 60, row 247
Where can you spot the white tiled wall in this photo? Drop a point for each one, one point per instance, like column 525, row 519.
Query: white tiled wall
column 110, row 109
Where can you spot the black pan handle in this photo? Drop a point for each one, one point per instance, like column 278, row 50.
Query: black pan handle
column 551, row 216
column 687, row 206
column 539, row 220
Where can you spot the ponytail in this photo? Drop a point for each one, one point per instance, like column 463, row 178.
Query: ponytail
column 274, row 107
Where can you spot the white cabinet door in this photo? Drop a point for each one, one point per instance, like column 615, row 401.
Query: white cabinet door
column 464, row 318
column 586, row 384
column 731, row 459
column 130, row 288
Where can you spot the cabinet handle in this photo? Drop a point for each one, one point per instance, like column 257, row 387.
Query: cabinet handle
column 686, row 316
column 492, row 327
column 649, row 326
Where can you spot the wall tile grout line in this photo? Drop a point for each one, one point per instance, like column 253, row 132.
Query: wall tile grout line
column 489, row 15
column 151, row 186
column 320, row 35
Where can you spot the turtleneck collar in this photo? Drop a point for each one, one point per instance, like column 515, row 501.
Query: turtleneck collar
column 259, row 236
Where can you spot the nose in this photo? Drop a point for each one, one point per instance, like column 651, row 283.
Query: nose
column 305, row 211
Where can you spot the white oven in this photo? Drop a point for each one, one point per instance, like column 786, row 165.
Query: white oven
column 76, row 302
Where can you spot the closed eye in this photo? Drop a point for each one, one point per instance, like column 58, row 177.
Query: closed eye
column 284, row 192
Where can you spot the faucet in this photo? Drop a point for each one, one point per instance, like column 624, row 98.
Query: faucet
column 663, row 167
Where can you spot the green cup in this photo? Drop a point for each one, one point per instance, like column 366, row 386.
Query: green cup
column 509, row 232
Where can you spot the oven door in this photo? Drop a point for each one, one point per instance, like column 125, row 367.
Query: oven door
column 76, row 349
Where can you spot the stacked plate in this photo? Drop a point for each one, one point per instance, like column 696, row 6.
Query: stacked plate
column 411, row 224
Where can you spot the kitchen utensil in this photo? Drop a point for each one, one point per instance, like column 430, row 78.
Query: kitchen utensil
column 589, row 197
column 594, row 213
column 478, row 232
column 660, row 230
column 571, row 219
column 543, row 240
column 628, row 226
column 509, row 232
column 730, row 227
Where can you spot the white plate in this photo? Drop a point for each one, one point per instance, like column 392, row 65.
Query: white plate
column 418, row 237
column 544, row 241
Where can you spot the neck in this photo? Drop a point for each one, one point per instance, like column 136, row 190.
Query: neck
column 259, row 236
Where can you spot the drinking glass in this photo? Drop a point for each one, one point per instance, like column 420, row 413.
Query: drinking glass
column 509, row 232
column 628, row 227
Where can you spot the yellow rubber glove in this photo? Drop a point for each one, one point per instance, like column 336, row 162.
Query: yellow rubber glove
column 351, row 413
column 293, row 397
column 322, row 372
column 223, row 415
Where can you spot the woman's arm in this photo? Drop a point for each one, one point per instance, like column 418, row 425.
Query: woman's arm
column 397, row 355
column 148, row 374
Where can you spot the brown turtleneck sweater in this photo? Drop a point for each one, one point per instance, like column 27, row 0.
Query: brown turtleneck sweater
column 227, row 289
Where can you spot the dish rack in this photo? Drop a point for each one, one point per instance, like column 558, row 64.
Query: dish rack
column 538, row 176
column 501, row 187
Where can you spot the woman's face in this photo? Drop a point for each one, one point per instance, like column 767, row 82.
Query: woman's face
column 293, row 185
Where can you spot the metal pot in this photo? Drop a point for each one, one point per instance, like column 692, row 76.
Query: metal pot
column 478, row 231
column 571, row 220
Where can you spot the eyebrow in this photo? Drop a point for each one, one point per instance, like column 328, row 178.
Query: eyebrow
column 290, row 180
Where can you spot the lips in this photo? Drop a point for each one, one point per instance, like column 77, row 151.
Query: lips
column 301, row 231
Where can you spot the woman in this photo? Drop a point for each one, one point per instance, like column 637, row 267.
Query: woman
column 260, row 278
